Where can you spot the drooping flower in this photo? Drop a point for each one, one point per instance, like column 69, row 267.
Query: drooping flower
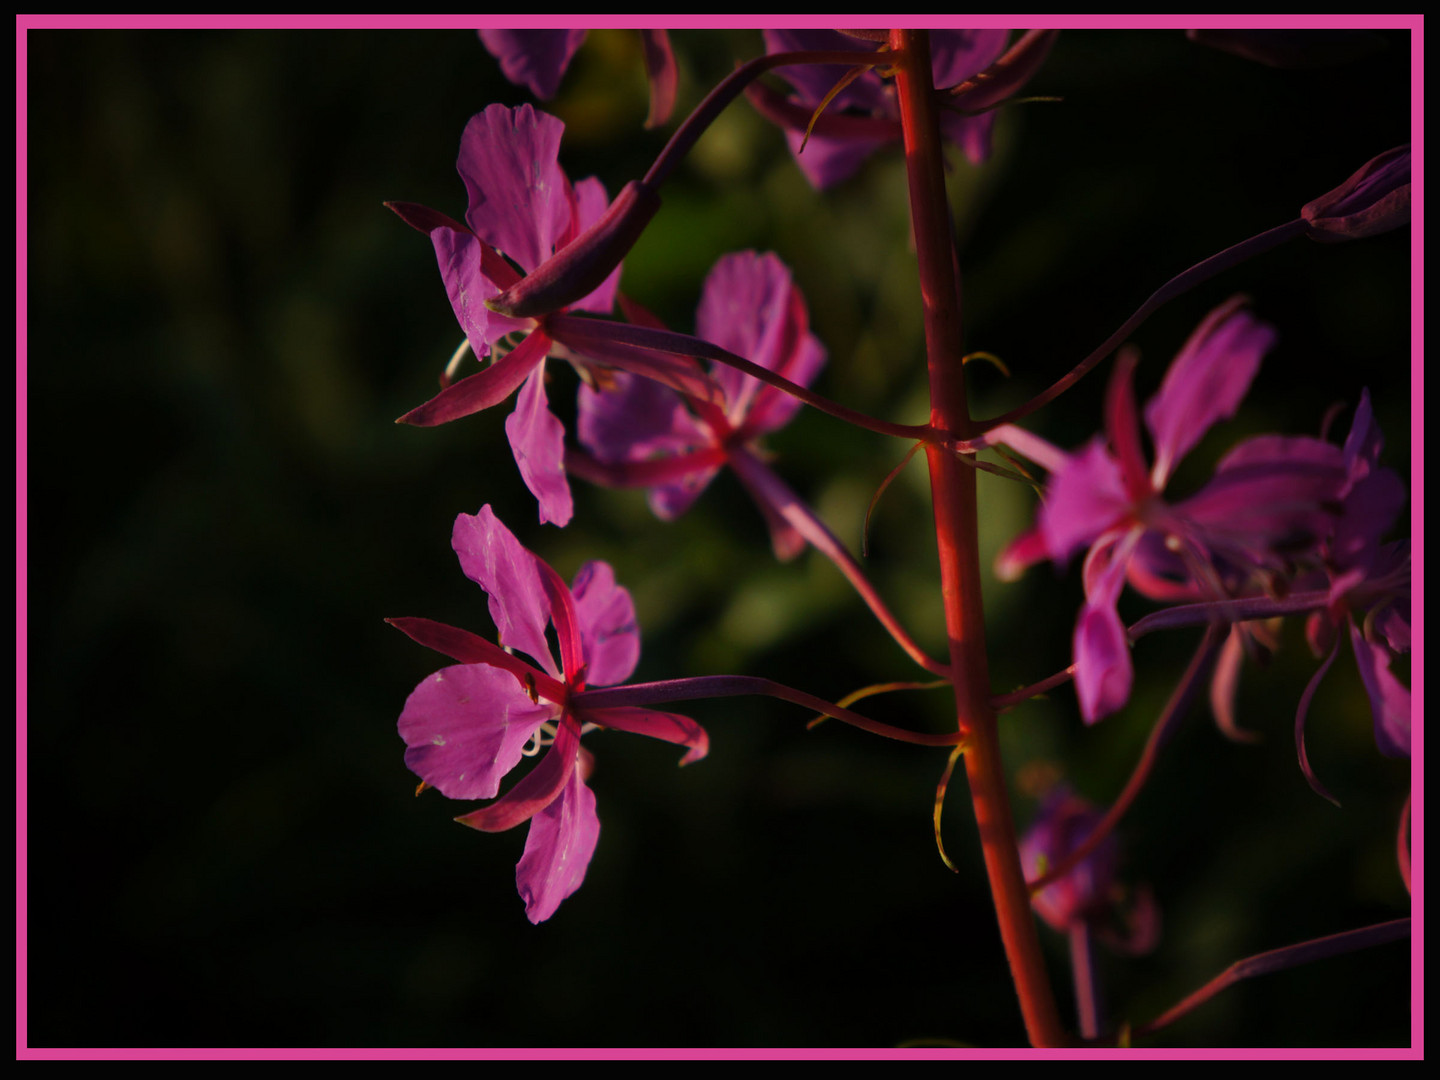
column 1375, row 199
column 467, row 726
column 1370, row 581
column 522, row 206
column 1090, row 893
column 537, row 59
column 643, row 434
column 1270, row 498
column 864, row 115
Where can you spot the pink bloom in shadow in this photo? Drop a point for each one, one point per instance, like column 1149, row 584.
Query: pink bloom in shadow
column 865, row 115
column 1270, row 499
column 640, row 433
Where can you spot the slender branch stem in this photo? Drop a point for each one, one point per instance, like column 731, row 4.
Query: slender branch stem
column 1278, row 960
column 1175, row 710
column 713, row 686
column 1088, row 1002
column 1176, row 286
column 953, row 492
column 577, row 330
column 789, row 506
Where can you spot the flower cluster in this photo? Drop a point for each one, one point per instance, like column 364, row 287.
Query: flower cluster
column 1281, row 514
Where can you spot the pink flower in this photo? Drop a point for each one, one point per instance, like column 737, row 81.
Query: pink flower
column 522, row 206
column 467, row 726
column 1270, row 498
column 864, row 116
column 644, row 434
column 537, row 59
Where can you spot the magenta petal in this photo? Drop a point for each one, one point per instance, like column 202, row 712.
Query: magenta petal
column 803, row 357
column 465, row 728
column 606, row 615
column 1103, row 671
column 744, row 309
column 591, row 202
column 669, row 500
column 827, row 161
column 1389, row 697
column 671, row 727
column 1020, row 554
column 537, row 789
column 538, row 441
column 483, row 389
column 1206, row 382
column 1083, row 499
column 460, row 261
column 956, row 55
column 509, row 160
column 663, row 74
column 493, row 559
column 558, row 850
column 635, row 419
column 535, row 59
column 813, row 81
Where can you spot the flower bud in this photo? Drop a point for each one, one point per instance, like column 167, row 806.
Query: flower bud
column 1374, row 200
column 580, row 267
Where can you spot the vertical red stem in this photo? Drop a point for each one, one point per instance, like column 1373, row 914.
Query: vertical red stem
column 952, row 488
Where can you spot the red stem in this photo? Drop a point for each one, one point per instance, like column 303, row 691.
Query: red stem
column 952, row 488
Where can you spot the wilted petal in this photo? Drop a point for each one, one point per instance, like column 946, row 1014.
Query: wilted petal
column 538, row 441
column 1206, row 383
column 493, row 559
column 1374, row 200
column 509, row 160
column 956, row 55
column 1083, row 499
column 465, row 728
column 671, row 727
column 606, row 616
column 558, row 850
column 535, row 59
column 1389, row 697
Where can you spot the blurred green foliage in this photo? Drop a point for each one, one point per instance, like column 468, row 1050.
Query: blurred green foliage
column 224, row 322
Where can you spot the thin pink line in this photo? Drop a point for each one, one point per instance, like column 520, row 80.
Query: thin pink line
column 21, row 557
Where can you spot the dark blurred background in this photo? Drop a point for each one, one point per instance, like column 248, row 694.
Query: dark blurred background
column 224, row 321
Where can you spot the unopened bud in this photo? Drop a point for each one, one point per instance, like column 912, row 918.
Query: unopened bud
column 1374, row 200
column 580, row 267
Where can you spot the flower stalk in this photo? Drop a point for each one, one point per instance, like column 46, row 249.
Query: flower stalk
column 953, row 491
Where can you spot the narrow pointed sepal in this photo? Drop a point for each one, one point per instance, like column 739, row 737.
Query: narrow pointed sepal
column 581, row 267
